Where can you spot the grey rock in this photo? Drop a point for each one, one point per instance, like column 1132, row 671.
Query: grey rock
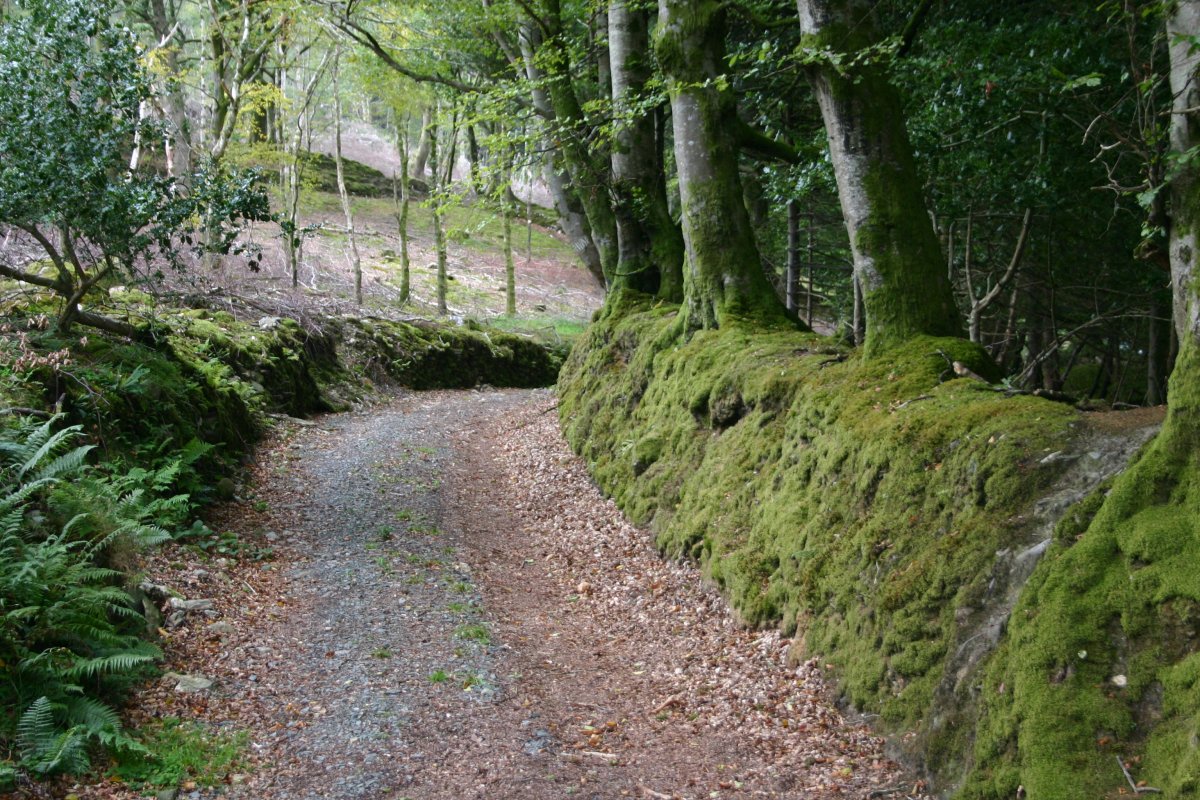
column 189, row 684
column 156, row 590
column 541, row 741
column 187, row 606
column 222, row 629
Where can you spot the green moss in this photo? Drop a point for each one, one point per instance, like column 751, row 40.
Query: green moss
column 857, row 504
column 1117, row 596
column 205, row 375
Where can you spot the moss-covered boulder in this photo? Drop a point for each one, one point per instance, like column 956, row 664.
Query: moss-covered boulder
column 884, row 512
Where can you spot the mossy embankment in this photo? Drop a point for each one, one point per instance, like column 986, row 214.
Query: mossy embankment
column 882, row 511
column 1102, row 661
column 204, row 375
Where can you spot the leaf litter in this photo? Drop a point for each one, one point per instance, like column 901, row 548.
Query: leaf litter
column 594, row 669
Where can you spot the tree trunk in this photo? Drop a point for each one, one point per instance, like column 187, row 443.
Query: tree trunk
column 792, row 275
column 897, row 257
column 572, row 219
column 474, row 157
column 179, row 160
column 355, row 259
column 423, row 145
column 402, row 203
column 588, row 170
column 724, row 281
column 510, row 272
column 1154, row 354
column 435, row 205
column 649, row 242
column 1183, row 398
column 571, row 216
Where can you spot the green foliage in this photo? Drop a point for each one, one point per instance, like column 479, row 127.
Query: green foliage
column 173, row 751
column 72, row 88
column 474, row 632
column 68, row 641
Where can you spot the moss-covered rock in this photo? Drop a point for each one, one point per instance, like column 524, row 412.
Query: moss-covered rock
column 427, row 355
column 882, row 511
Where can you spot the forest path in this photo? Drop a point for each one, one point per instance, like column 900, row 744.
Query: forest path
column 455, row 612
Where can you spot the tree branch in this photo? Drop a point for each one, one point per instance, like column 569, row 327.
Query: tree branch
column 909, row 35
column 757, row 143
column 64, row 276
column 368, row 40
column 28, row 277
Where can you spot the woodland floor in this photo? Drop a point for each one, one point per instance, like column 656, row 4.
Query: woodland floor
column 450, row 609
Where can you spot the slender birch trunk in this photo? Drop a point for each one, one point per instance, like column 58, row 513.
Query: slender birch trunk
column 435, row 207
column 402, row 203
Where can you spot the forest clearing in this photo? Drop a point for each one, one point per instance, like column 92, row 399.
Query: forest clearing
column 545, row 398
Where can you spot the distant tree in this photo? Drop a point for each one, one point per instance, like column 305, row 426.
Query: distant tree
column 72, row 89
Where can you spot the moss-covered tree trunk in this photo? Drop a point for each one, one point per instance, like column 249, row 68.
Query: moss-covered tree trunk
column 723, row 276
column 897, row 257
column 649, row 242
column 402, row 198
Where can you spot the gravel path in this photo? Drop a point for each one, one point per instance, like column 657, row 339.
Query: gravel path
column 454, row 611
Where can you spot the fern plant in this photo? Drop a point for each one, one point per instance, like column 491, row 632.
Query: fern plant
column 68, row 642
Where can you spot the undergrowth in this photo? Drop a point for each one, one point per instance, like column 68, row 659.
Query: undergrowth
column 69, row 633
column 175, row 751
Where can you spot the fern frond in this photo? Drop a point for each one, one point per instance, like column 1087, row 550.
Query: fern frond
column 66, row 753
column 19, row 494
column 47, row 448
column 65, row 465
column 117, row 662
column 37, row 729
column 95, row 717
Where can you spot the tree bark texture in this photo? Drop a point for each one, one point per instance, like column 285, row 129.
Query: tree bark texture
column 897, row 257
column 723, row 276
column 421, row 158
column 649, row 241
column 570, row 209
column 587, row 170
column 402, row 201
column 1183, row 397
column 435, row 207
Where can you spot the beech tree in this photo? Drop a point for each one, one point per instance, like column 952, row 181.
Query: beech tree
column 723, row 276
column 898, row 261
column 649, row 242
